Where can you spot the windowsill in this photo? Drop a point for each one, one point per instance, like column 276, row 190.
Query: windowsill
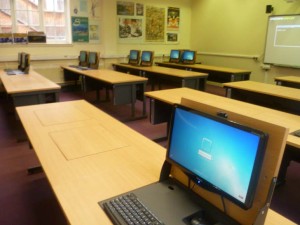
column 35, row 44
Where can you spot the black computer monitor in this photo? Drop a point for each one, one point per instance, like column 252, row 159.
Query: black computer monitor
column 20, row 60
column 217, row 154
column 175, row 56
column 83, row 58
column 147, row 58
column 188, row 57
column 25, row 62
column 134, row 57
column 93, row 60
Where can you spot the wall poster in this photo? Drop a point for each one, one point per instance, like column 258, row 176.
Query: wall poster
column 125, row 8
column 173, row 18
column 155, row 24
column 130, row 29
column 80, row 29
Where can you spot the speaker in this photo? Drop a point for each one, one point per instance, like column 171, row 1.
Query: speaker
column 269, row 8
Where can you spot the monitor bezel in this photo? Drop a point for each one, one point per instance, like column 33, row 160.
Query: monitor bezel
column 147, row 63
column 257, row 166
column 86, row 61
column 175, row 60
column 134, row 61
column 188, row 61
column 93, row 65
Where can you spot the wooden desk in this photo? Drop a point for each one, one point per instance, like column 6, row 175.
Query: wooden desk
column 126, row 88
column 273, row 96
column 195, row 80
column 288, row 81
column 215, row 73
column 29, row 89
column 88, row 156
column 161, row 104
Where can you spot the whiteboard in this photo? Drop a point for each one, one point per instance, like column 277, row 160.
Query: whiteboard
column 283, row 41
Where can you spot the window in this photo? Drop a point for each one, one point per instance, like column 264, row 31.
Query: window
column 50, row 16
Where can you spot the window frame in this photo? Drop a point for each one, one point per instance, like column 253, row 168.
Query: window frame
column 42, row 26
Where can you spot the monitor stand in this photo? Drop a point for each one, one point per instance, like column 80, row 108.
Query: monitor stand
column 174, row 203
column 209, row 213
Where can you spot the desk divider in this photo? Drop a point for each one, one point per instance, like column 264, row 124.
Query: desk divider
column 267, row 180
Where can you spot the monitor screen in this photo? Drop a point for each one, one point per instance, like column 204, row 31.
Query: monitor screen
column 134, row 57
column 92, row 57
column 147, row 58
column 188, row 57
column 217, row 154
column 23, row 61
column 83, row 56
column 175, row 55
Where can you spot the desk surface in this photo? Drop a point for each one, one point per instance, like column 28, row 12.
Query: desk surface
column 263, row 88
column 23, row 83
column 207, row 67
column 109, row 76
column 172, row 96
column 294, row 79
column 164, row 70
column 89, row 156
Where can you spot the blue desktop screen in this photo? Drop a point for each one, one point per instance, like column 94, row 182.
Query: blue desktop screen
column 146, row 56
column 221, row 154
column 188, row 55
column 175, row 54
column 133, row 55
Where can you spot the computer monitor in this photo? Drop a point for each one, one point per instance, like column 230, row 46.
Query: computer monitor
column 20, row 60
column 217, row 154
column 93, row 60
column 188, row 57
column 83, row 58
column 175, row 55
column 25, row 62
column 147, row 58
column 134, row 57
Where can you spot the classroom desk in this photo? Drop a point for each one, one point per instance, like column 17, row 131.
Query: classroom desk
column 161, row 104
column 88, row 156
column 126, row 88
column 28, row 89
column 156, row 74
column 215, row 73
column 273, row 96
column 288, row 81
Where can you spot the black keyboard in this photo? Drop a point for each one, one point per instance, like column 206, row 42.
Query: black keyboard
column 128, row 210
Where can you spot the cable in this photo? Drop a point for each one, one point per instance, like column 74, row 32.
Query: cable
column 224, row 206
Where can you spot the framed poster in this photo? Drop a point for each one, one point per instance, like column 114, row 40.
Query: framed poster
column 80, row 29
column 155, row 24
